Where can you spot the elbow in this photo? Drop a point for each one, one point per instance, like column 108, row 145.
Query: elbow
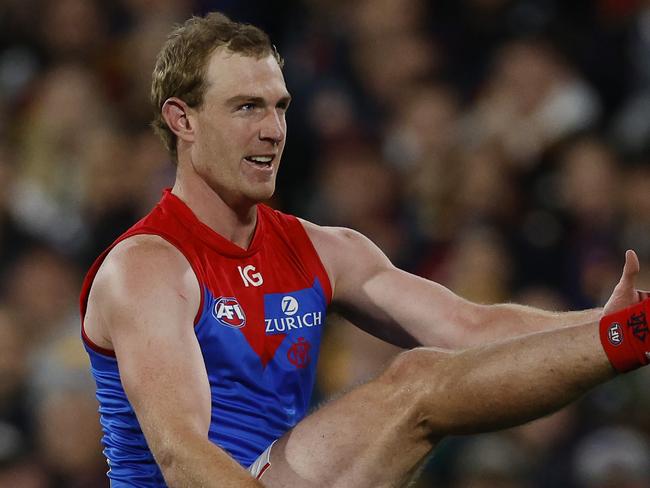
column 470, row 322
column 165, row 458
column 168, row 457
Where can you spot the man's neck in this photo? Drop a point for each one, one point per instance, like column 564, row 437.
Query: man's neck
column 237, row 224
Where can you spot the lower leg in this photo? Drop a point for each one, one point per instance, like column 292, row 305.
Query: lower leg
column 509, row 383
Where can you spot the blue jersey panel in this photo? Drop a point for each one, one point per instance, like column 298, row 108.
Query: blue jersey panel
column 129, row 459
column 253, row 404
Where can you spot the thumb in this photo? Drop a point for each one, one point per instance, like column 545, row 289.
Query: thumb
column 631, row 268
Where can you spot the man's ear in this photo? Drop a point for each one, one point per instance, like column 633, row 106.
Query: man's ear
column 176, row 114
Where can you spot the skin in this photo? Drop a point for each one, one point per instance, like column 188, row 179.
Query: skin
column 427, row 394
column 145, row 297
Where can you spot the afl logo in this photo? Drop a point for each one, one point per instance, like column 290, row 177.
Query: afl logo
column 615, row 334
column 289, row 305
column 229, row 313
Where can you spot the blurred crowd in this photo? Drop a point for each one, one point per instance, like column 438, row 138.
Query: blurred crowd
column 499, row 147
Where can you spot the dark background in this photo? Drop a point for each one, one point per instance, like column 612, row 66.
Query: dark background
column 498, row 147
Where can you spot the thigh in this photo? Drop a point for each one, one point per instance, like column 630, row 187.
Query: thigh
column 369, row 437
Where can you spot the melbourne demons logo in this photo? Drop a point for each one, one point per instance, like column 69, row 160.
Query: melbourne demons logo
column 298, row 353
column 229, row 313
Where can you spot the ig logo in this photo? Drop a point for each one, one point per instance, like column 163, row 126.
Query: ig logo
column 289, row 305
column 250, row 276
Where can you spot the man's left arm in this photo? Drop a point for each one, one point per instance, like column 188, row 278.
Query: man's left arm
column 408, row 310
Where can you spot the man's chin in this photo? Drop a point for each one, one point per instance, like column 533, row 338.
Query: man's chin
column 261, row 195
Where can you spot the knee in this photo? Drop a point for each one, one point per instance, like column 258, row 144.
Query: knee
column 417, row 382
column 414, row 368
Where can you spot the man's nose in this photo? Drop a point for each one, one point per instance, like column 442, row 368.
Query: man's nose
column 273, row 127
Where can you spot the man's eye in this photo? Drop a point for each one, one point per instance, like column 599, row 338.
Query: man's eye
column 247, row 107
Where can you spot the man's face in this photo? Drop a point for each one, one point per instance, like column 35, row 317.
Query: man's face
column 240, row 128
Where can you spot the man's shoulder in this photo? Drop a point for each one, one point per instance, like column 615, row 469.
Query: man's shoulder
column 142, row 274
column 143, row 257
column 343, row 251
column 327, row 236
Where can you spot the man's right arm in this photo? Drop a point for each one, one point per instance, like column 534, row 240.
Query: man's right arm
column 145, row 298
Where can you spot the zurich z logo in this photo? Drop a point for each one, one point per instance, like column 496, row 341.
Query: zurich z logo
column 289, row 305
column 229, row 313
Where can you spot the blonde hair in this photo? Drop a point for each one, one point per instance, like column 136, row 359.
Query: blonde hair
column 181, row 63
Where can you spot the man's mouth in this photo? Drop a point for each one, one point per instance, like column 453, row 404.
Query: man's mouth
column 264, row 161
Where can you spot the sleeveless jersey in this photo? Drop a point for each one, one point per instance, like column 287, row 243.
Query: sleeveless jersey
column 259, row 328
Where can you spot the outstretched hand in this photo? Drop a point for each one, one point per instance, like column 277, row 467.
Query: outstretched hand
column 625, row 293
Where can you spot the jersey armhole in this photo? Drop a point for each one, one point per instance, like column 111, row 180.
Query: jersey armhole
column 197, row 273
column 298, row 230
column 95, row 268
